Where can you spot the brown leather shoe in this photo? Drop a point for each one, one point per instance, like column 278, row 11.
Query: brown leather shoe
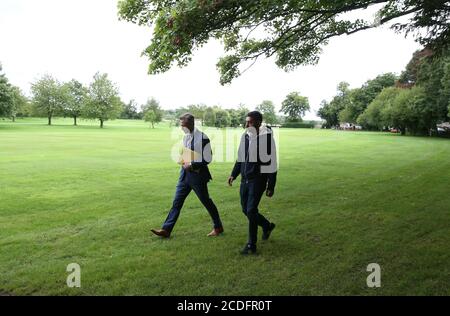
column 161, row 233
column 216, row 232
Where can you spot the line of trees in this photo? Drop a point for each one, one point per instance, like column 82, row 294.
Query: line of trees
column 50, row 97
column 413, row 103
column 150, row 112
column 293, row 107
column 100, row 100
column 213, row 116
column 349, row 104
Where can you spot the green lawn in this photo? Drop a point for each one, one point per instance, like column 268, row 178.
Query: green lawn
column 343, row 200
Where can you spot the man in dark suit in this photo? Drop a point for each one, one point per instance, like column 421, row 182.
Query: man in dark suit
column 257, row 166
column 194, row 175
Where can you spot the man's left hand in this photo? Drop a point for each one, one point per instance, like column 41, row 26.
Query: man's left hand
column 187, row 166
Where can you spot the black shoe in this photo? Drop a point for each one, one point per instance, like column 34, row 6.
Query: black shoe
column 266, row 233
column 248, row 250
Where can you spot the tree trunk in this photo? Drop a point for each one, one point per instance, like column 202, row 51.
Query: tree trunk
column 49, row 120
column 13, row 118
column 75, row 120
column 101, row 123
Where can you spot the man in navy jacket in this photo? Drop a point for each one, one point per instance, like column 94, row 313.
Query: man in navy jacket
column 257, row 166
column 194, row 175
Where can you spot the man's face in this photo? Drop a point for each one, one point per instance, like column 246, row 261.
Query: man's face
column 251, row 122
column 186, row 126
column 184, row 123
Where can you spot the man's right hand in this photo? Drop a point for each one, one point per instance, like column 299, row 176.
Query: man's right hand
column 230, row 181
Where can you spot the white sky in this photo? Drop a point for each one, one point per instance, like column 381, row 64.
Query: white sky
column 76, row 38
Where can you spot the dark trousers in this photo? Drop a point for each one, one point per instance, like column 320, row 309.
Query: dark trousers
column 251, row 193
column 182, row 191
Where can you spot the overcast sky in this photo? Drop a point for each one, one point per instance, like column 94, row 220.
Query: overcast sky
column 76, row 38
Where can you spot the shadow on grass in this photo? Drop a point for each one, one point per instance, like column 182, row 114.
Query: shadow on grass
column 281, row 248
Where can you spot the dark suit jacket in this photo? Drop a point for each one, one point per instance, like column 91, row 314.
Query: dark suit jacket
column 200, row 171
column 252, row 170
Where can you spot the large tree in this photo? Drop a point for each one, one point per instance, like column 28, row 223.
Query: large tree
column 325, row 113
column 331, row 111
column 152, row 112
column 103, row 101
column 18, row 102
column 295, row 106
column 5, row 95
column 294, row 31
column 408, row 77
column 234, row 117
column 49, row 96
column 150, row 116
column 242, row 112
column 376, row 117
column 446, row 87
column 434, row 76
column 420, row 99
column 410, row 112
column 209, row 118
column 152, row 106
column 267, row 108
column 76, row 99
column 222, row 118
column 360, row 98
column 430, row 71
column 130, row 111
column 198, row 110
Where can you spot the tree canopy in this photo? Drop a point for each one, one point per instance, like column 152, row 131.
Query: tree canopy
column 152, row 112
column 131, row 111
column 267, row 108
column 209, row 118
column 294, row 31
column 359, row 99
column 18, row 102
column 377, row 115
column 103, row 101
column 331, row 111
column 413, row 104
column 5, row 94
column 76, row 95
column 222, row 118
column 49, row 96
column 295, row 106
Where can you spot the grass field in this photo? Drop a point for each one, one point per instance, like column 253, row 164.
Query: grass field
column 343, row 200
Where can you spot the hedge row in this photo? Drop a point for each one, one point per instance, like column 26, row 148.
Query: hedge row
column 298, row 125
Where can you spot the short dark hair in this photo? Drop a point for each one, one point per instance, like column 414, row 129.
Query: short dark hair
column 256, row 115
column 189, row 117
